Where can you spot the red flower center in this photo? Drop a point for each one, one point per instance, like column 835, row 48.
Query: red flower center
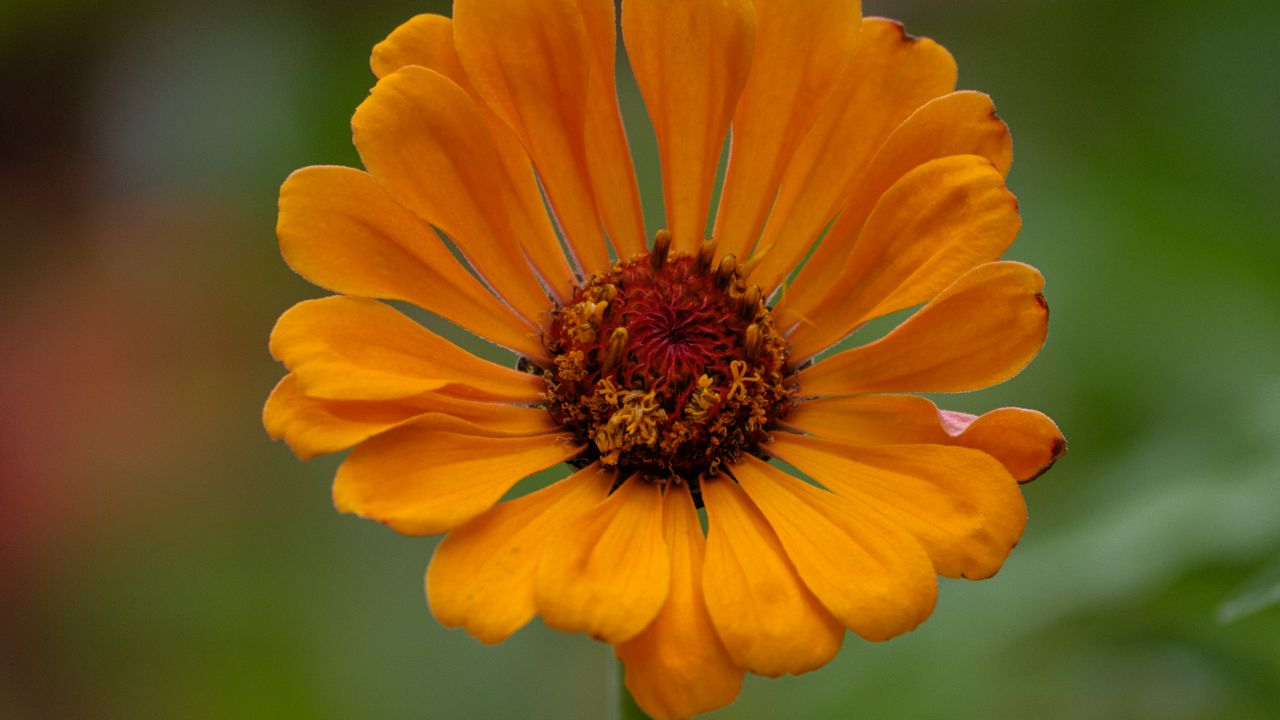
column 666, row 366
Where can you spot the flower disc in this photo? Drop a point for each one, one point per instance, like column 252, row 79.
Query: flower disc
column 667, row 367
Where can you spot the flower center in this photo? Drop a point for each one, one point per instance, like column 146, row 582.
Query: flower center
column 666, row 366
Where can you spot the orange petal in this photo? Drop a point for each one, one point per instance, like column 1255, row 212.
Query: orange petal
column 677, row 667
column 482, row 574
column 961, row 123
column 347, row 348
column 423, row 140
column 979, row 332
column 892, row 74
column 532, row 63
column 769, row 621
column 691, row 62
column 341, row 231
column 958, row 123
column 960, row 504
column 1026, row 442
column 314, row 426
column 606, row 571
column 427, row 40
column 613, row 176
column 801, row 49
column 422, row 478
column 939, row 221
column 871, row 574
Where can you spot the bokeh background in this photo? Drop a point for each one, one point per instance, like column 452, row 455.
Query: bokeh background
column 161, row 558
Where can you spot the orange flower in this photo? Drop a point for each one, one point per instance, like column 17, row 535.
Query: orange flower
column 672, row 377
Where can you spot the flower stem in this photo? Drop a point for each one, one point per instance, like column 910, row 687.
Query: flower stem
column 625, row 706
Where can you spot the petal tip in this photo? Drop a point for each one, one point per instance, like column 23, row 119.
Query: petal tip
column 1057, row 448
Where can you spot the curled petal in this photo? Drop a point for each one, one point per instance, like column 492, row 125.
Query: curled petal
column 1026, row 442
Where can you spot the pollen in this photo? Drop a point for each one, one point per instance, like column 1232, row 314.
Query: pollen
column 666, row 365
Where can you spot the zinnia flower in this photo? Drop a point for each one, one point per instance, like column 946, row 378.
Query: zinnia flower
column 673, row 374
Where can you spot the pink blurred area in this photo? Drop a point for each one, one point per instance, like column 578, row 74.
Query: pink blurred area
column 137, row 198
column 136, row 261
column 117, row 379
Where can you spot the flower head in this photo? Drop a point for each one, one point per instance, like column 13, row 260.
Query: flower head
column 671, row 374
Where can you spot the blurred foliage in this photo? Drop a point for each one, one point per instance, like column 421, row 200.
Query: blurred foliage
column 159, row 557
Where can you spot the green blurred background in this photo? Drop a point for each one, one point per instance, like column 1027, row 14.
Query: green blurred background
column 160, row 558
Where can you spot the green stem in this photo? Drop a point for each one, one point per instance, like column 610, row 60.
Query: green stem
column 625, row 705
